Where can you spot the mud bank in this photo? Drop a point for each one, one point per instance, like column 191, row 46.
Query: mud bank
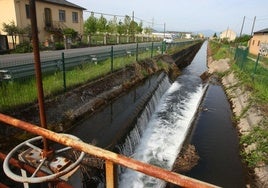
column 249, row 114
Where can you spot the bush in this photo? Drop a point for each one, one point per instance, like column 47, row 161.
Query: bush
column 59, row 46
column 24, row 47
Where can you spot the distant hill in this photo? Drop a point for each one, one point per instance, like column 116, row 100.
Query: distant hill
column 207, row 33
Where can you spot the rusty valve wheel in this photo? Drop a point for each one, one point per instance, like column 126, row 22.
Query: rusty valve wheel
column 44, row 164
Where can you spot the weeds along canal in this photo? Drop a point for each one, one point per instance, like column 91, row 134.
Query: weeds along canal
column 151, row 122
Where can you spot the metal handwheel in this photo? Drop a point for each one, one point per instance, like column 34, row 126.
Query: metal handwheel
column 55, row 166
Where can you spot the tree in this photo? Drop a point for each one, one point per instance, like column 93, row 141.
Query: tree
column 70, row 33
column 243, row 38
column 215, row 35
column 91, row 25
column 12, row 30
column 120, row 28
column 132, row 28
column 127, row 21
column 147, row 30
column 102, row 24
column 139, row 28
column 112, row 26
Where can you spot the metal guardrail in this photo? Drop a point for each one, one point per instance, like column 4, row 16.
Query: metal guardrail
column 54, row 63
column 111, row 159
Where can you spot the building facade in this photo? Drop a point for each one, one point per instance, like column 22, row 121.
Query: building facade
column 259, row 43
column 228, row 34
column 52, row 17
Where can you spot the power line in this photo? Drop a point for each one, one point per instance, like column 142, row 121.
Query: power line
column 106, row 14
column 123, row 16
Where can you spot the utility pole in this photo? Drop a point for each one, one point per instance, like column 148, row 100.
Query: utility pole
column 133, row 16
column 242, row 26
column 253, row 26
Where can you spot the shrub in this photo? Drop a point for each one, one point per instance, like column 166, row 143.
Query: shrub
column 24, row 47
column 59, row 46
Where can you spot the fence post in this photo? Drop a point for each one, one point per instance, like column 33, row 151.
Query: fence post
column 256, row 64
column 163, row 47
column 137, row 52
column 152, row 50
column 112, row 58
column 63, row 71
column 244, row 57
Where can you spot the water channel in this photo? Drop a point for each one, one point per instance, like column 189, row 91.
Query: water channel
column 161, row 127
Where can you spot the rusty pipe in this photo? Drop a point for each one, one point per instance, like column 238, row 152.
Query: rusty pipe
column 38, row 72
column 150, row 170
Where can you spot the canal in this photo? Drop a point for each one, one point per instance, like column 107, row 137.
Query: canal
column 213, row 133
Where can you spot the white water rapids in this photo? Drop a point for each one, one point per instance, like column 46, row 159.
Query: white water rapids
column 162, row 138
column 164, row 135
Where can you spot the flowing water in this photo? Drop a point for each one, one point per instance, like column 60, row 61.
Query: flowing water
column 216, row 141
column 213, row 134
column 166, row 131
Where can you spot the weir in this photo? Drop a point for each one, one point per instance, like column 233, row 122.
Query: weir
column 128, row 122
column 166, row 129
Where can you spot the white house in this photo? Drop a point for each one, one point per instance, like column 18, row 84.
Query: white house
column 228, row 34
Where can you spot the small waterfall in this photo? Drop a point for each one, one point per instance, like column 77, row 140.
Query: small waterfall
column 133, row 137
column 162, row 135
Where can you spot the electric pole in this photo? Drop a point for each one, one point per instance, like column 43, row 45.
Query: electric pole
column 253, row 26
column 242, row 26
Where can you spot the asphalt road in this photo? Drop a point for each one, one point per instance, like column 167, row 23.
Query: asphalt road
column 10, row 60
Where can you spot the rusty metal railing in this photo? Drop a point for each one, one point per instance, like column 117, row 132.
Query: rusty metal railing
column 111, row 159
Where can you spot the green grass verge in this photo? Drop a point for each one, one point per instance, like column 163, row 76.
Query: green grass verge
column 22, row 92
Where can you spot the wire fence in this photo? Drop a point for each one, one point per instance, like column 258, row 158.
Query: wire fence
column 67, row 70
column 256, row 67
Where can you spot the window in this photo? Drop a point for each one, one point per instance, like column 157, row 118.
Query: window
column 253, row 42
column 48, row 17
column 27, row 9
column 259, row 43
column 75, row 17
column 62, row 16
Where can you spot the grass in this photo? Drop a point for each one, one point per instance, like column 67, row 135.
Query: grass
column 220, row 51
column 258, row 138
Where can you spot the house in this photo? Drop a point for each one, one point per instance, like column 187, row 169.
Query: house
column 228, row 34
column 259, row 43
column 52, row 17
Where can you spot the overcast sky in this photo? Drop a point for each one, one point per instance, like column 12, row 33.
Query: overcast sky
column 186, row 15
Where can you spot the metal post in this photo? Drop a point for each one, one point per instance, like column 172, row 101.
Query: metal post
column 112, row 58
column 242, row 26
column 152, row 50
column 63, row 71
column 256, row 64
column 163, row 47
column 252, row 29
column 137, row 52
column 38, row 71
